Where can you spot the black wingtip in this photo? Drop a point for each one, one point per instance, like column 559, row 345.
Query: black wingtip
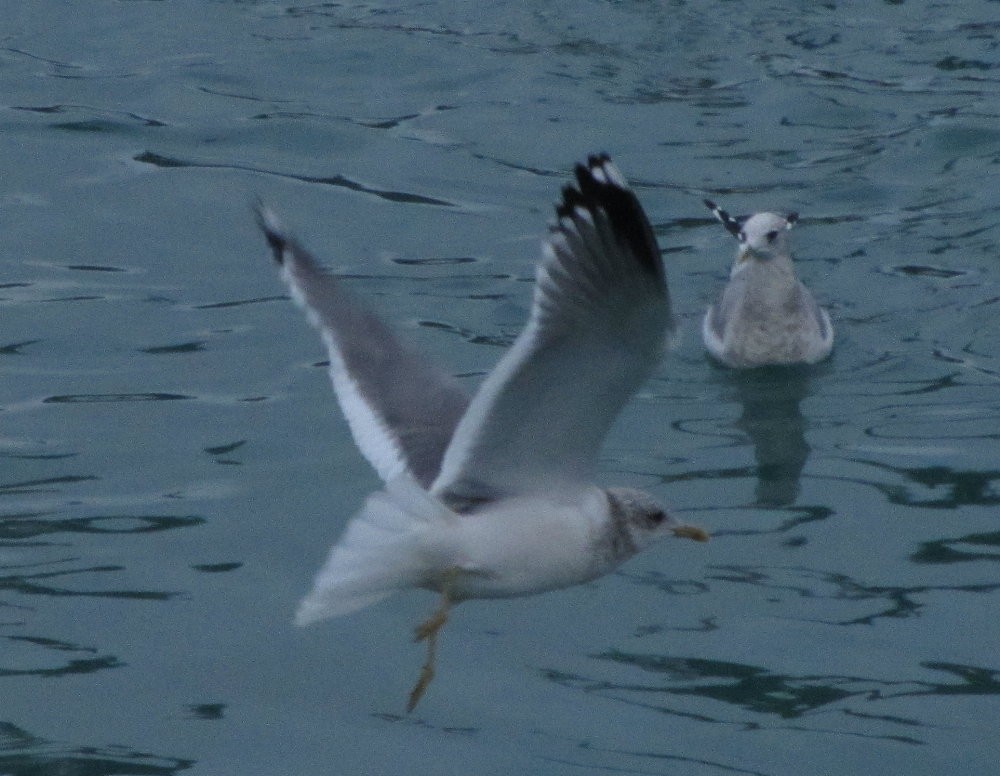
column 585, row 173
column 271, row 227
column 601, row 187
column 586, row 192
column 733, row 225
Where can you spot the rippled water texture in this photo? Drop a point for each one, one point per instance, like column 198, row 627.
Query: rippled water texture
column 173, row 467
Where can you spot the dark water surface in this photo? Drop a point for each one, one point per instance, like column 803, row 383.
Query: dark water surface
column 173, row 467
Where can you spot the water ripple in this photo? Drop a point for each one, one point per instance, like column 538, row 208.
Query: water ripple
column 23, row 753
column 768, row 695
column 160, row 160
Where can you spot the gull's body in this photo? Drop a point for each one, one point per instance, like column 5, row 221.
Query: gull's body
column 765, row 315
column 520, row 546
column 494, row 495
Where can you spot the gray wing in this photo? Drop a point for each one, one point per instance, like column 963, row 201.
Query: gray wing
column 599, row 324
column 402, row 411
column 727, row 305
column 818, row 314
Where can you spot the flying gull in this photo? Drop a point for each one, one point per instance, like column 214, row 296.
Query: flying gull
column 493, row 495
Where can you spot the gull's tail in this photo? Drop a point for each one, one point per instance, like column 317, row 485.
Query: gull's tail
column 378, row 555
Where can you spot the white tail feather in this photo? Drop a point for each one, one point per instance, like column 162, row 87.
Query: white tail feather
column 378, row 555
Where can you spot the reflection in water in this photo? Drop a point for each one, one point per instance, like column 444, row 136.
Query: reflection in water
column 159, row 160
column 42, row 578
column 586, row 746
column 45, row 485
column 209, row 711
column 749, row 687
column 898, row 601
column 36, row 579
column 24, row 754
column 770, row 694
column 943, row 550
column 771, row 417
column 29, row 526
column 72, row 666
column 29, row 655
column 66, row 576
column 112, row 398
column 961, row 486
column 14, row 348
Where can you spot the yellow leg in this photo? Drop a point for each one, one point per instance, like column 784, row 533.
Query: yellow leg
column 428, row 631
column 426, row 674
column 428, row 628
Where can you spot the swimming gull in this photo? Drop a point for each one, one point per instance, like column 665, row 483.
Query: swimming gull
column 493, row 496
column 765, row 314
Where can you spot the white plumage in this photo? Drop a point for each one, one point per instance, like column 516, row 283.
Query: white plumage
column 765, row 315
column 493, row 496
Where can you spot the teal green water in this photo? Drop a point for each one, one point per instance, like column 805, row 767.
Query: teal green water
column 173, row 467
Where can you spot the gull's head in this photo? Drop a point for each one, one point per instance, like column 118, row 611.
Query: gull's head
column 762, row 236
column 765, row 235
column 645, row 520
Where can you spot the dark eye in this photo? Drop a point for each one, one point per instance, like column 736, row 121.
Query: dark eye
column 772, row 236
column 657, row 517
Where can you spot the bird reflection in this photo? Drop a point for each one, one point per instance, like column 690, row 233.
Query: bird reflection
column 771, row 418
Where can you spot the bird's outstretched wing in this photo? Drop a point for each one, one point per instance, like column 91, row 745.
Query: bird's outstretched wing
column 402, row 411
column 599, row 323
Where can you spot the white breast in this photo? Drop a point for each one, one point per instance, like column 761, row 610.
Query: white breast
column 522, row 546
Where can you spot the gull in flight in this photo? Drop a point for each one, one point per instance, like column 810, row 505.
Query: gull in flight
column 493, row 495
column 765, row 315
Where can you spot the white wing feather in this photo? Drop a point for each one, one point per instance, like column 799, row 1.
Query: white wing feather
column 599, row 324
